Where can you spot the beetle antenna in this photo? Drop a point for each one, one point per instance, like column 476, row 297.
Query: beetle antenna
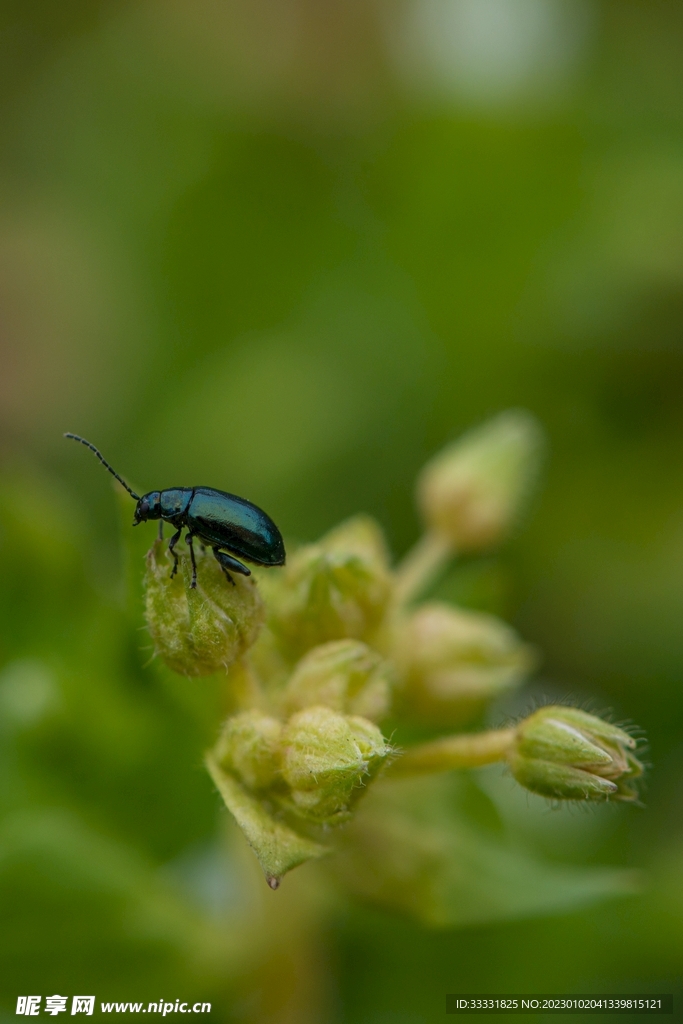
column 82, row 440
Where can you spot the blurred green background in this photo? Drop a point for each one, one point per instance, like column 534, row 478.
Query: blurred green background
column 289, row 249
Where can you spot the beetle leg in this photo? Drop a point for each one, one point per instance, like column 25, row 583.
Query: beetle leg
column 228, row 562
column 171, row 544
column 188, row 541
column 161, row 529
column 218, row 555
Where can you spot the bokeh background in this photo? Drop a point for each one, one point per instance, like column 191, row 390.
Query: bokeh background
column 289, row 249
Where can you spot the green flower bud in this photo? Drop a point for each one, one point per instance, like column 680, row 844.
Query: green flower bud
column 249, row 748
column 472, row 491
column 452, row 661
column 345, row 675
column 326, row 759
column 567, row 754
column 197, row 632
column 335, row 589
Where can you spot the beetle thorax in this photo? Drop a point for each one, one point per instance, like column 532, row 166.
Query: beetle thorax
column 174, row 503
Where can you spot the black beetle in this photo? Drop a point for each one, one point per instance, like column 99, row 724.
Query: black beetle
column 219, row 519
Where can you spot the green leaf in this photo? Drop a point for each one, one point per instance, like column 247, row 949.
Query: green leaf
column 410, row 849
column 278, row 848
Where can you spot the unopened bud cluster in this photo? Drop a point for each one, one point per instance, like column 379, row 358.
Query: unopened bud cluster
column 339, row 645
column 316, row 758
column 314, row 765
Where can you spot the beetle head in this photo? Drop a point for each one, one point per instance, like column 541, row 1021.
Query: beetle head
column 148, row 507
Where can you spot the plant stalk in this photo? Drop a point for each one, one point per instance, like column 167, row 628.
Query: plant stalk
column 465, row 751
column 420, row 566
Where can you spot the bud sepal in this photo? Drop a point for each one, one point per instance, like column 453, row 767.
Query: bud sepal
column 277, row 846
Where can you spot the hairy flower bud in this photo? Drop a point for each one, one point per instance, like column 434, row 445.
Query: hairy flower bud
column 197, row 632
column 453, row 661
column 472, row 491
column 345, row 675
column 249, row 747
column 337, row 588
column 326, row 760
column 567, row 754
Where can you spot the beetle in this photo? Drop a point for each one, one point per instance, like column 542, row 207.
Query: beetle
column 228, row 524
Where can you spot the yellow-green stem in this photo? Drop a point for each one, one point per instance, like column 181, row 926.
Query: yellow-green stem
column 464, row 751
column 421, row 565
column 246, row 693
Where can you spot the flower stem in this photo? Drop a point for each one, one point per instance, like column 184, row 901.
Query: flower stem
column 246, row 693
column 421, row 565
column 465, row 751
